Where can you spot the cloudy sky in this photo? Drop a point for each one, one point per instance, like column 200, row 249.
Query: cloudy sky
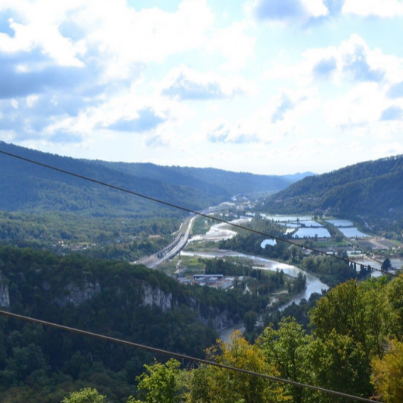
column 265, row 86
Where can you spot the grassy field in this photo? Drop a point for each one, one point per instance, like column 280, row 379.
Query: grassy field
column 192, row 263
column 202, row 225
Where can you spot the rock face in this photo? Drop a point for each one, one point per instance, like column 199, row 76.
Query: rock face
column 220, row 321
column 78, row 294
column 156, row 297
column 4, row 295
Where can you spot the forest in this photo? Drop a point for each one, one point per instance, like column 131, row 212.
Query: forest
column 39, row 364
column 355, row 347
column 371, row 189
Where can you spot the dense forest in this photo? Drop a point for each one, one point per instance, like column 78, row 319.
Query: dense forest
column 355, row 347
column 28, row 187
column 134, row 303
column 370, row 189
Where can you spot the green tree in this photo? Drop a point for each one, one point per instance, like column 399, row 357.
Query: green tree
column 215, row 385
column 160, row 384
column 85, row 396
column 338, row 363
column 386, row 265
column 285, row 349
column 388, row 374
column 249, row 320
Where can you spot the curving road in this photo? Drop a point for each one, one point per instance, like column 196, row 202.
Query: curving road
column 172, row 249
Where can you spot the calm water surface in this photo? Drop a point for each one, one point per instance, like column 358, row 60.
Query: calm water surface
column 353, row 232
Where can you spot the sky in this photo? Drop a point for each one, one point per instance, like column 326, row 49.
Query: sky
column 264, row 86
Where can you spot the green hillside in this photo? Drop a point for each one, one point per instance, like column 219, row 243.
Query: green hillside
column 207, row 180
column 26, row 187
column 373, row 189
column 39, row 364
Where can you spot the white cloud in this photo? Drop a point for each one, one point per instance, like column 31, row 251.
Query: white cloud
column 378, row 8
column 280, row 117
column 118, row 34
column 287, row 11
column 184, row 83
column 236, row 46
column 353, row 61
column 365, row 106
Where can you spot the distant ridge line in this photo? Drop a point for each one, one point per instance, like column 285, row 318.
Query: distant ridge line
column 185, row 209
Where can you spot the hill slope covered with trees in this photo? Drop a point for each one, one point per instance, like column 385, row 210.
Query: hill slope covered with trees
column 372, row 189
column 33, row 188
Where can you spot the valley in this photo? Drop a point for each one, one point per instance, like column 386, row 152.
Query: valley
column 126, row 267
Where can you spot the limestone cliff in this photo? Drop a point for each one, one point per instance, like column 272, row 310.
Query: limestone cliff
column 78, row 294
column 4, row 295
column 156, row 297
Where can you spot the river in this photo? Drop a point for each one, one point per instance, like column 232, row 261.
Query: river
column 313, row 284
column 220, row 232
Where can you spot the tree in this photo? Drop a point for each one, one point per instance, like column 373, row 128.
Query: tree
column 215, row 385
column 386, row 265
column 249, row 320
column 388, row 374
column 85, row 396
column 160, row 385
column 285, row 349
column 338, row 363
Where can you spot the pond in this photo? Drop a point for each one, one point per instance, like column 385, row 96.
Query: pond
column 271, row 242
column 311, row 232
column 352, row 233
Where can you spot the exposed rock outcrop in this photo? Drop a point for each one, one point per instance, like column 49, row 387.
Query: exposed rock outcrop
column 156, row 297
column 78, row 294
column 219, row 320
column 4, row 295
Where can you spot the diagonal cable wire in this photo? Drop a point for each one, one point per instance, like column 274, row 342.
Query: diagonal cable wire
column 183, row 356
column 184, row 209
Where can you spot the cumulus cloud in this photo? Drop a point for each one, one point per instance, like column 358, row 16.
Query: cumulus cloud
column 65, row 62
column 366, row 106
column 392, row 113
column 288, row 10
column 396, row 90
column 186, row 84
column 356, row 64
column 375, row 8
column 234, row 44
column 146, row 120
column 281, row 109
column 324, row 68
column 278, row 118
column 353, row 61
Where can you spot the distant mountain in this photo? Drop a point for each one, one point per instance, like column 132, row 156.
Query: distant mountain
column 209, row 180
column 27, row 187
column 373, row 188
column 298, row 176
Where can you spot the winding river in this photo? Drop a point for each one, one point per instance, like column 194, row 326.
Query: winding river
column 220, row 232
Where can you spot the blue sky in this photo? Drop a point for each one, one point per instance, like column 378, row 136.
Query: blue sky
column 265, row 86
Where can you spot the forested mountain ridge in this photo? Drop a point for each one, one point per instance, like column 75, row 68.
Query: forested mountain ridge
column 206, row 179
column 39, row 364
column 27, row 187
column 372, row 188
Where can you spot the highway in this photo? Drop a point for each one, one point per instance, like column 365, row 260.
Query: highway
column 172, row 249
